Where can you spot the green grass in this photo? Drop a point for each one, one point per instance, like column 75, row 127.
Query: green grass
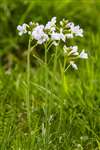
column 67, row 106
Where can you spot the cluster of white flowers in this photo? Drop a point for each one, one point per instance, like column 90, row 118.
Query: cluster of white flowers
column 56, row 33
column 73, row 52
column 75, row 29
column 51, row 25
column 57, row 36
column 22, row 29
column 39, row 34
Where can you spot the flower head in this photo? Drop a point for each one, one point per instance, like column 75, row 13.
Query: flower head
column 70, row 25
column 73, row 65
column 39, row 35
column 22, row 29
column 51, row 25
column 74, row 50
column 62, row 36
column 75, row 29
column 83, row 55
column 58, row 36
column 55, row 36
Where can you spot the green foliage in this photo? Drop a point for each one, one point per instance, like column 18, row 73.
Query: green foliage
column 73, row 103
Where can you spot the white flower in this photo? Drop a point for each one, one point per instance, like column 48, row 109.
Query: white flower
column 75, row 29
column 73, row 65
column 39, row 35
column 51, row 25
column 53, row 20
column 31, row 23
column 55, row 36
column 62, row 36
column 22, row 29
column 43, row 38
column 74, row 50
column 70, row 25
column 58, row 36
column 69, row 35
column 83, row 55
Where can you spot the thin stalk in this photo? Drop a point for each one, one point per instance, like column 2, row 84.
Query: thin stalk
column 46, row 97
column 62, row 91
column 55, row 62
column 67, row 68
column 31, row 49
column 54, row 73
column 28, row 86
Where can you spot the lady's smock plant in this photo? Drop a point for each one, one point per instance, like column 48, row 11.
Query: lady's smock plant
column 52, row 34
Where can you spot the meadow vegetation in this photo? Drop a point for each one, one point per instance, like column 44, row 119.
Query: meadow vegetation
column 65, row 113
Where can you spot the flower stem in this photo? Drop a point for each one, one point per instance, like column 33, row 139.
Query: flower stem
column 28, row 86
column 46, row 101
column 67, row 68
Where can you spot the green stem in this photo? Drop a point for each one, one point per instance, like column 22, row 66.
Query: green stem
column 62, row 90
column 28, row 86
column 67, row 68
column 31, row 49
column 55, row 62
column 46, row 97
column 55, row 59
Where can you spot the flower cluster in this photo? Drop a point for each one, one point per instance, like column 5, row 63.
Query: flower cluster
column 72, row 52
column 56, row 33
column 39, row 35
column 22, row 29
